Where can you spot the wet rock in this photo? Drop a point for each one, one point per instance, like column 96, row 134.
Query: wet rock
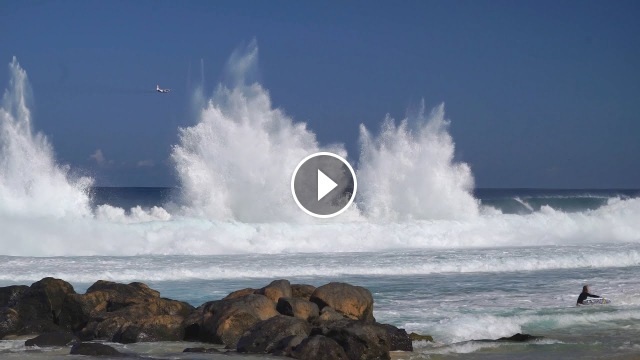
column 240, row 293
column 328, row 314
column 299, row 308
column 302, row 291
column 359, row 339
column 10, row 294
column 191, row 324
column 399, row 339
column 319, row 348
column 225, row 321
column 286, row 346
column 95, row 349
column 151, row 329
column 354, row 302
column 202, row 350
column 417, row 337
column 520, row 338
column 52, row 339
column 276, row 290
column 264, row 336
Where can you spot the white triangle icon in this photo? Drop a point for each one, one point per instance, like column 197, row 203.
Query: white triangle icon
column 325, row 185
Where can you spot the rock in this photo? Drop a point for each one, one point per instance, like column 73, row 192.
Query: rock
column 328, row 314
column 399, row 339
column 125, row 313
column 151, row 329
column 302, row 291
column 417, row 337
column 520, row 338
column 319, row 348
column 201, row 350
column 225, row 321
column 286, row 346
column 240, row 293
column 191, row 324
column 52, row 339
column 264, row 336
column 276, row 290
column 354, row 302
column 95, row 349
column 299, row 308
column 10, row 294
column 360, row 340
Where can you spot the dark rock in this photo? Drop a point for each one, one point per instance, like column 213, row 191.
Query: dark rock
column 520, row 338
column 399, row 340
column 299, row 308
column 201, row 350
column 354, row 302
column 52, row 339
column 276, row 290
column 95, row 349
column 302, row 291
column 240, row 293
column 10, row 294
column 417, row 337
column 319, row 348
column 225, row 321
column 328, row 314
column 264, row 336
column 191, row 324
column 286, row 346
column 360, row 340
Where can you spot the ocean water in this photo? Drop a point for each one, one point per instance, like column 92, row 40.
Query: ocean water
column 440, row 256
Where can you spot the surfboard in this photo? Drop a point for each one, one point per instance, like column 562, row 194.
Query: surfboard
column 596, row 301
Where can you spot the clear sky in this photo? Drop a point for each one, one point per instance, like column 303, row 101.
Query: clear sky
column 540, row 93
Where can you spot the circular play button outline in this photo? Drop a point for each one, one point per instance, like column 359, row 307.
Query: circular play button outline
column 353, row 175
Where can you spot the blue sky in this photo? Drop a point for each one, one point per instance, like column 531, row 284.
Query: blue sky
column 540, row 93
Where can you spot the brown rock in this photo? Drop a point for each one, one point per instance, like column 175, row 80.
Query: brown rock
column 286, row 345
column 224, row 321
column 399, row 339
column 328, row 314
column 151, row 329
column 302, row 291
column 360, row 340
column 264, row 336
column 240, row 293
column 299, row 308
column 10, row 294
column 354, row 302
column 276, row 290
column 319, row 348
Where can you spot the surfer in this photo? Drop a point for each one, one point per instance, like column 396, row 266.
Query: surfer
column 585, row 293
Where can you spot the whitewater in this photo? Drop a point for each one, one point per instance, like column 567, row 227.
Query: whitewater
column 438, row 258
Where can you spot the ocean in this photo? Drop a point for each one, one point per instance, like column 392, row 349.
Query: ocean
column 440, row 256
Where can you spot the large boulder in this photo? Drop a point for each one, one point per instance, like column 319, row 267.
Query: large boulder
column 276, row 290
column 9, row 295
column 52, row 339
column 264, row 336
column 302, row 309
column 319, row 348
column 124, row 313
column 225, row 321
column 328, row 314
column 354, row 302
column 302, row 291
column 360, row 340
column 287, row 344
column 35, row 309
column 240, row 293
column 399, row 339
column 95, row 349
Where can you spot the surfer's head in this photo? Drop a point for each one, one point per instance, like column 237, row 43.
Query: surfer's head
column 585, row 288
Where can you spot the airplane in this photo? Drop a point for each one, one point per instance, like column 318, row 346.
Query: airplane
column 162, row 90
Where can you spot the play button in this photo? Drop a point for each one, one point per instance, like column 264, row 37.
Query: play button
column 323, row 185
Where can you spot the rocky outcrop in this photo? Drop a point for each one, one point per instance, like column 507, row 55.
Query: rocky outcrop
column 95, row 349
column 287, row 345
column 52, row 339
column 264, row 336
column 359, row 339
column 520, row 338
column 240, row 293
column 302, row 309
column 10, row 294
column 319, row 348
column 398, row 338
column 224, row 321
column 302, row 291
column 354, row 302
column 276, row 290
column 328, row 314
